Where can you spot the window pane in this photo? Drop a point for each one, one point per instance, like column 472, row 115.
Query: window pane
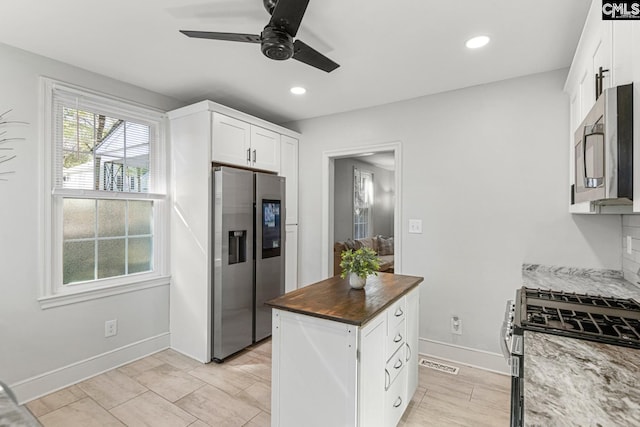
column 140, row 216
column 140, row 250
column 78, row 261
column 111, row 218
column 79, row 218
column 104, row 153
column 111, row 260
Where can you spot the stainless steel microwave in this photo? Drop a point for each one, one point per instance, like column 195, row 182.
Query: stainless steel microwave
column 603, row 150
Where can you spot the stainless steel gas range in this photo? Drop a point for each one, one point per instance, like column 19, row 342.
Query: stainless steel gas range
column 597, row 318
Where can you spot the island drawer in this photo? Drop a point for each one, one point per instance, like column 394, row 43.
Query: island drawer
column 396, row 314
column 394, row 367
column 395, row 402
column 395, row 339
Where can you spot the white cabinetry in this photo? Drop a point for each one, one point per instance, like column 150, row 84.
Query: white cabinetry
column 328, row 373
column 291, row 258
column 202, row 133
column 236, row 142
column 289, row 169
column 614, row 46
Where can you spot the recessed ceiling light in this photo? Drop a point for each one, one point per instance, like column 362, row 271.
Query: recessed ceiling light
column 476, row 42
column 298, row 90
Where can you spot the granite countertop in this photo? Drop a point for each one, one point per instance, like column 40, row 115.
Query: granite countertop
column 333, row 298
column 11, row 414
column 579, row 280
column 572, row 382
column 568, row 381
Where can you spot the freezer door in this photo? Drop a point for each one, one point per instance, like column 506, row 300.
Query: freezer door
column 232, row 311
column 269, row 249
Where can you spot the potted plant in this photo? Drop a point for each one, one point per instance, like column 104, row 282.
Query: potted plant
column 358, row 265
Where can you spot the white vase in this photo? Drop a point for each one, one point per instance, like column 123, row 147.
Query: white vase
column 356, row 282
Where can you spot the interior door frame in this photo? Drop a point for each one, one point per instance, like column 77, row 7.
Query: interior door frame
column 328, row 169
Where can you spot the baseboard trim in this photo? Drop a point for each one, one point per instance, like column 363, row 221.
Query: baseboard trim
column 48, row 382
column 489, row 361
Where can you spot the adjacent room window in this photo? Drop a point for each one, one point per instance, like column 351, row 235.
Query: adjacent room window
column 107, row 192
column 362, row 203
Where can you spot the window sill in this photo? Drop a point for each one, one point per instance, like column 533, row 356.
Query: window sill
column 57, row 300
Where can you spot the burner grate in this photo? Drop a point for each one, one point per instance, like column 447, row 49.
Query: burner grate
column 604, row 319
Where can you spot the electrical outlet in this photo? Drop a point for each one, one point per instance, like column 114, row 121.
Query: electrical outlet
column 456, row 325
column 111, row 328
column 629, row 245
column 415, row 226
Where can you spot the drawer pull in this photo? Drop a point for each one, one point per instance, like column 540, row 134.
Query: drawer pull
column 254, row 156
column 249, row 155
column 399, row 312
column 398, row 402
column 398, row 364
column 387, row 380
column 398, row 338
column 408, row 351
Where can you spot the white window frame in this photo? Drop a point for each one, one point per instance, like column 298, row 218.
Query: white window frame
column 52, row 292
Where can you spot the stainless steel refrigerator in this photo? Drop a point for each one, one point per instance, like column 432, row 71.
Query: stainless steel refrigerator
column 248, row 251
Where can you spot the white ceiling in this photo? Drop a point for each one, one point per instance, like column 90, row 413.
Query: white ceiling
column 388, row 50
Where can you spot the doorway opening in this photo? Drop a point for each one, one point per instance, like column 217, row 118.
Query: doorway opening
column 361, row 202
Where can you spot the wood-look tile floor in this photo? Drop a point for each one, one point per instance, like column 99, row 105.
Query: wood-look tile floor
column 169, row 389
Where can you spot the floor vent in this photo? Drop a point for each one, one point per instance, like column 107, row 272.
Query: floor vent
column 438, row 366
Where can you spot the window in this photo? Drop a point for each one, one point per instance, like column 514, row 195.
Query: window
column 362, row 203
column 106, row 200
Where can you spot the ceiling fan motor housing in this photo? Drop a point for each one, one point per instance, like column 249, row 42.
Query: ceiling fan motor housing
column 276, row 44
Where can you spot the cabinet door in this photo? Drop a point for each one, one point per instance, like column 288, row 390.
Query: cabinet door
column 265, row 149
column 291, row 259
column 289, row 169
column 371, row 372
column 412, row 322
column 230, row 140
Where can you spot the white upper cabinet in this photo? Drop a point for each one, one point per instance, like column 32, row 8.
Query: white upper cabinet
column 265, row 149
column 289, row 169
column 231, row 141
column 236, row 142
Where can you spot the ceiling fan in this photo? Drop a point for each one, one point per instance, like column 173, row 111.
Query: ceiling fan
column 277, row 37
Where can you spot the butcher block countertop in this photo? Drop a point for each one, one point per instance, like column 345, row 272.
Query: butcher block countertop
column 333, row 298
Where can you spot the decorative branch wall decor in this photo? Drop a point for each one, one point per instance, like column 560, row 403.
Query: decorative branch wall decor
column 6, row 151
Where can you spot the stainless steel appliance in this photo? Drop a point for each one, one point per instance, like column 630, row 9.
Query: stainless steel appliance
column 248, row 264
column 603, row 150
column 602, row 319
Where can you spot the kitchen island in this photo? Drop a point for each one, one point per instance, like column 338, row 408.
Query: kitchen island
column 570, row 381
column 345, row 357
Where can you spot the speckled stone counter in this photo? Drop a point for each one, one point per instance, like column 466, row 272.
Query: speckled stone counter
column 571, row 382
column 589, row 281
column 13, row 415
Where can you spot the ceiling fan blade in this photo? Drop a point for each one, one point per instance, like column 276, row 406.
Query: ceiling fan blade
column 232, row 37
column 310, row 56
column 288, row 14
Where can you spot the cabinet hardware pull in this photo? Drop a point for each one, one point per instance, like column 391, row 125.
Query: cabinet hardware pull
column 399, row 312
column 248, row 154
column 254, row 156
column 398, row 338
column 408, row 351
column 398, row 402
column 398, row 364
column 387, row 380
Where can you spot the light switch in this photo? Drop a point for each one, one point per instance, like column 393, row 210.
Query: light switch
column 415, row 226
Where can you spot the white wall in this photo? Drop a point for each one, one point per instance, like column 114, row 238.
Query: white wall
column 486, row 169
column 36, row 342
column 343, row 199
